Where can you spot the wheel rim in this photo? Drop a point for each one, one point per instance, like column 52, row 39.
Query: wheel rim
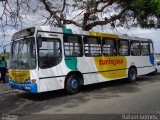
column 74, row 84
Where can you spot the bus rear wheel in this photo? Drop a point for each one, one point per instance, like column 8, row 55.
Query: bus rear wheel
column 132, row 75
column 155, row 72
column 72, row 84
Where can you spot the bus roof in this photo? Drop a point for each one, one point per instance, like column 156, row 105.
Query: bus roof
column 126, row 37
column 83, row 32
column 75, row 31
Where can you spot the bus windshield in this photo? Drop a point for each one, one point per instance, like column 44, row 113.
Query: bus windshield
column 23, row 54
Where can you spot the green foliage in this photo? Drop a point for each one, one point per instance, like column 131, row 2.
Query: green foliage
column 87, row 14
column 143, row 13
column 7, row 55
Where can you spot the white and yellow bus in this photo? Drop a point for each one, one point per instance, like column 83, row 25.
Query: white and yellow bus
column 48, row 58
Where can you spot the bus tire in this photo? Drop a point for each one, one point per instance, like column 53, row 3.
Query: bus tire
column 132, row 74
column 155, row 72
column 72, row 84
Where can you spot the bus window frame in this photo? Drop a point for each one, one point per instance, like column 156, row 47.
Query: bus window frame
column 81, row 42
column 118, row 46
column 148, row 48
column 85, row 39
column 139, row 47
column 38, row 52
column 115, row 45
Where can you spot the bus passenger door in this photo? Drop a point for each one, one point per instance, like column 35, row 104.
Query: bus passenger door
column 49, row 58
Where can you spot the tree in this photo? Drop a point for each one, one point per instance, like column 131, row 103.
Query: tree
column 85, row 14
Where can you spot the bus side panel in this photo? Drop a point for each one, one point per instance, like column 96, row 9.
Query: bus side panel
column 143, row 64
column 50, row 84
column 100, row 69
column 34, row 75
column 96, row 78
column 53, row 78
column 145, row 70
column 47, row 83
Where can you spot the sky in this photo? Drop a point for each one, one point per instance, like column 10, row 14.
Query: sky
column 153, row 34
column 32, row 19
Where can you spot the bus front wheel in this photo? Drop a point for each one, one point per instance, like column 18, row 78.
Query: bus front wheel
column 132, row 74
column 72, row 84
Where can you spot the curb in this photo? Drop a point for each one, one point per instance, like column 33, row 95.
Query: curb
column 8, row 91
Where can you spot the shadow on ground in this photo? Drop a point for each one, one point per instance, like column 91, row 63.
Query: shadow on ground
column 26, row 103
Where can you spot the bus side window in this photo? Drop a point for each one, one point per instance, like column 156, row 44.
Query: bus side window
column 135, row 48
column 109, row 47
column 123, row 46
column 49, row 52
column 73, row 46
column 92, row 46
column 145, row 48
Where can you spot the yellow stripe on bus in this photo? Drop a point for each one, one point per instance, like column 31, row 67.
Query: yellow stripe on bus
column 110, row 66
column 103, row 35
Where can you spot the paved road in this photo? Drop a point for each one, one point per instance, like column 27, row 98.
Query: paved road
column 116, row 97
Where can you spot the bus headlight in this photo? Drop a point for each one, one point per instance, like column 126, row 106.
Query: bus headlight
column 33, row 80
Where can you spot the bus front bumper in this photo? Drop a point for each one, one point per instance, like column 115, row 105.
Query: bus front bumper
column 29, row 87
